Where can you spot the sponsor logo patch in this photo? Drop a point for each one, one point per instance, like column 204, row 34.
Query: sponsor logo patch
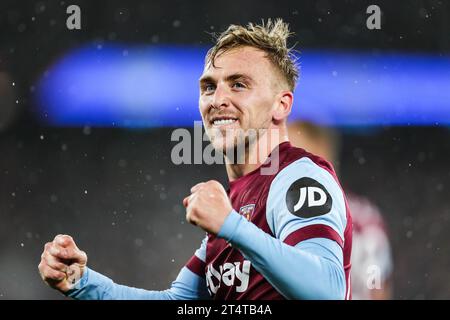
column 235, row 275
column 308, row 198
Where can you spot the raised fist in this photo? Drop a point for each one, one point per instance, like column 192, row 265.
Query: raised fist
column 62, row 263
column 208, row 206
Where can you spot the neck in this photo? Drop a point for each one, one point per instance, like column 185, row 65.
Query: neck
column 256, row 153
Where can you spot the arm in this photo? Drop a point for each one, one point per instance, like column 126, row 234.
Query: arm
column 310, row 270
column 190, row 283
column 95, row 286
column 304, row 260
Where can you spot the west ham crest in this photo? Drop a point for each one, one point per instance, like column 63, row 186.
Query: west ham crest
column 247, row 211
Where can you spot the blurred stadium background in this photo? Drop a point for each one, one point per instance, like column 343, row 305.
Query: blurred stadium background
column 86, row 118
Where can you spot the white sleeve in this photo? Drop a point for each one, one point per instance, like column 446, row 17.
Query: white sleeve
column 305, row 202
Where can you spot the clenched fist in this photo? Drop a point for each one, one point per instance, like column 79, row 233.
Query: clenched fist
column 207, row 206
column 62, row 263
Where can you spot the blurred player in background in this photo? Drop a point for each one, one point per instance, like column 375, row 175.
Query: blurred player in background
column 281, row 230
column 371, row 249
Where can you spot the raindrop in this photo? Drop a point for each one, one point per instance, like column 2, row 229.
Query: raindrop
column 53, row 198
column 22, row 27
column 87, row 130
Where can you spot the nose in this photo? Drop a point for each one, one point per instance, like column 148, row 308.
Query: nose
column 220, row 98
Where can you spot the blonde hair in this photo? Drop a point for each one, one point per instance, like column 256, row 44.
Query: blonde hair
column 270, row 38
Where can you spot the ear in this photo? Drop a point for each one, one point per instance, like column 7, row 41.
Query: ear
column 283, row 106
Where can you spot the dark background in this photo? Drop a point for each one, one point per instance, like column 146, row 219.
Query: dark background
column 117, row 192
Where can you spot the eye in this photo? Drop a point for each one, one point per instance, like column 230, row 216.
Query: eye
column 209, row 88
column 238, row 85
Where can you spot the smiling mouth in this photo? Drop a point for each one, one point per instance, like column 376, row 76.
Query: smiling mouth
column 224, row 120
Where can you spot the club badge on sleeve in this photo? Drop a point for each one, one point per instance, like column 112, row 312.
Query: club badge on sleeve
column 247, row 211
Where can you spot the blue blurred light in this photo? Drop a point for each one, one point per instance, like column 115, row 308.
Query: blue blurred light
column 150, row 86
